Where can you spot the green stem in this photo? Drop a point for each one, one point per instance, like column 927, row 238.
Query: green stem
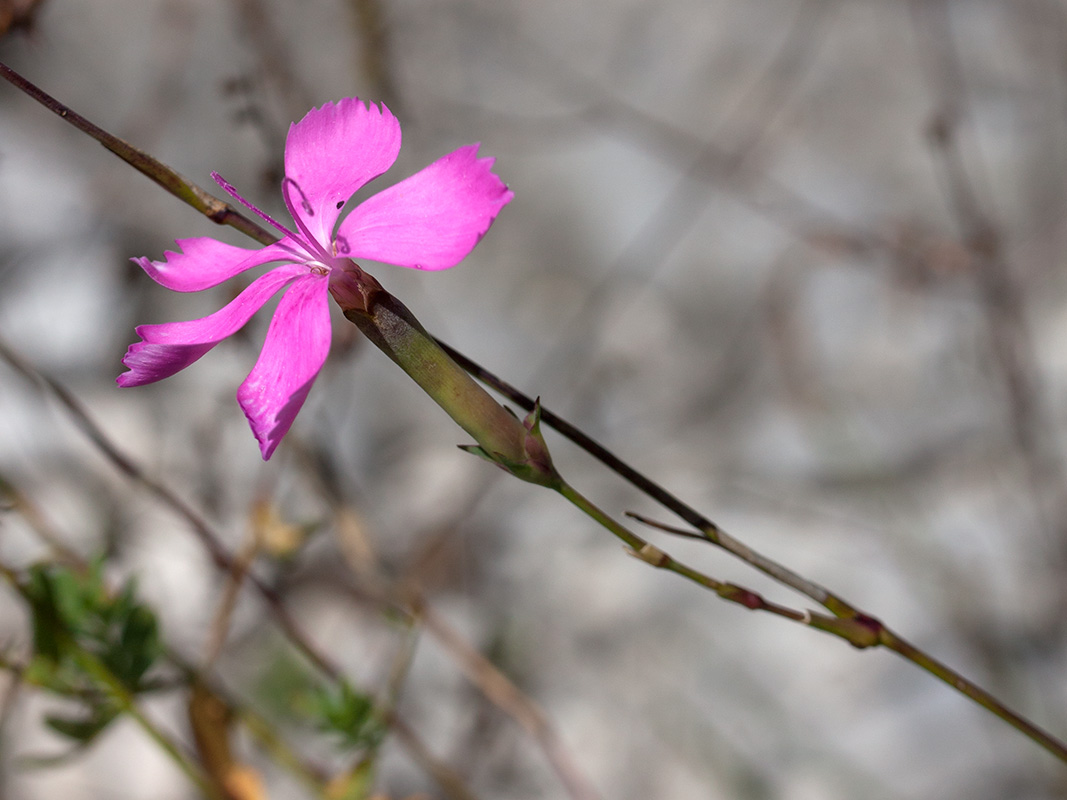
column 653, row 556
column 859, row 630
column 849, row 622
column 709, row 530
column 94, row 667
column 980, row 696
column 106, row 679
column 185, row 190
column 573, row 496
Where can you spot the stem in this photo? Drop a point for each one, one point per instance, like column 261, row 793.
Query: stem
column 185, row 190
column 635, row 542
column 207, row 536
column 712, row 532
column 121, row 695
column 974, row 692
column 106, row 680
column 653, row 556
column 450, row 781
column 852, row 624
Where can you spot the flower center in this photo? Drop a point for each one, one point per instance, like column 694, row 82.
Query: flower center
column 317, row 267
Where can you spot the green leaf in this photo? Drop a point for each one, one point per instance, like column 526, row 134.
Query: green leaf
column 76, row 618
column 83, row 729
column 137, row 647
column 351, row 714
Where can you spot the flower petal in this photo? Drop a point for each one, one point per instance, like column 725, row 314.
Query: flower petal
column 431, row 220
column 172, row 346
column 205, row 262
column 331, row 153
column 295, row 349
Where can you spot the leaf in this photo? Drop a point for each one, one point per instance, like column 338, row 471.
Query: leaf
column 74, row 617
column 137, row 647
column 351, row 714
column 48, row 626
column 82, row 730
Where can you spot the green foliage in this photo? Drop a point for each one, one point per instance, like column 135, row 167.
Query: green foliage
column 349, row 714
column 89, row 644
column 283, row 685
column 291, row 692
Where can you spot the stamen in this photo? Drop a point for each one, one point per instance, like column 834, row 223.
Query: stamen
column 340, row 245
column 303, row 197
column 226, row 187
column 304, row 204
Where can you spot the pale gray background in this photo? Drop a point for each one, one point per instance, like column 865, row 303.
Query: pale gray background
column 734, row 257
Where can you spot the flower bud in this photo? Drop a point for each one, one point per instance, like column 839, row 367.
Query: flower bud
column 516, row 446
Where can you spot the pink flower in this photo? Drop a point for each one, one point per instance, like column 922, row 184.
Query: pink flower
column 431, row 220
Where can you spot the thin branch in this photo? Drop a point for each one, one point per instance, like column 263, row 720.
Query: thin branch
column 749, row 129
column 403, row 596
column 220, row 625
column 853, row 625
column 1000, row 293
column 500, row 690
column 204, row 532
column 446, row 777
column 108, row 682
column 185, row 190
column 711, row 531
column 11, row 693
column 375, row 50
column 16, row 501
column 879, row 634
column 261, row 730
column 93, row 665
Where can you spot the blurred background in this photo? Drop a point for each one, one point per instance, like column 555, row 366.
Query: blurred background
column 800, row 261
